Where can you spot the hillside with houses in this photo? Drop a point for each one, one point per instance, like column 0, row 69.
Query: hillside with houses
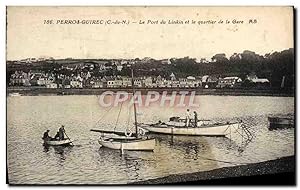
column 243, row 70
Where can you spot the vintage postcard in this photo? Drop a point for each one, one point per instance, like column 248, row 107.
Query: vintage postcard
column 150, row 95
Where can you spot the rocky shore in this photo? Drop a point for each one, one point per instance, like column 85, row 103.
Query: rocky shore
column 274, row 172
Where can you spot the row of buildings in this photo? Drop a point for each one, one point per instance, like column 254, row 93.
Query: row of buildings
column 86, row 80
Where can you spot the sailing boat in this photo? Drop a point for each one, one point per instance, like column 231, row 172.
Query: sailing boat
column 177, row 126
column 125, row 141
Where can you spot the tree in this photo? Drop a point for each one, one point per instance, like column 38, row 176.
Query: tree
column 220, row 57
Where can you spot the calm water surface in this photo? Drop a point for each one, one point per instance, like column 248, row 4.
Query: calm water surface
column 29, row 162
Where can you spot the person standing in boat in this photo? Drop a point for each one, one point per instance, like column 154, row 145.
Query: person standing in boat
column 188, row 117
column 195, row 118
column 61, row 133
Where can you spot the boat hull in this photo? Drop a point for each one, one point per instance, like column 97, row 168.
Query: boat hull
column 141, row 144
column 15, row 94
column 58, row 143
column 280, row 123
column 218, row 130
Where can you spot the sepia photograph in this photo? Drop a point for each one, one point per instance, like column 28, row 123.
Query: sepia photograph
column 150, row 95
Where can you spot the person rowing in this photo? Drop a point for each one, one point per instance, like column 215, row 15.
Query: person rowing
column 56, row 137
column 61, row 132
column 46, row 136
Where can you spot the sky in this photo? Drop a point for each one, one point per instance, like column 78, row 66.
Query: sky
column 28, row 36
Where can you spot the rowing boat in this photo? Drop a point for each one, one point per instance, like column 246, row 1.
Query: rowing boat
column 58, row 142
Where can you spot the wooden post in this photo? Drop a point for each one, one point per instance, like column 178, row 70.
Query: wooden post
column 122, row 150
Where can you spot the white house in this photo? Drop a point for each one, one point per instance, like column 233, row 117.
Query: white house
column 255, row 79
column 126, row 82
column 261, row 80
column 110, row 83
column 51, row 85
column 43, row 81
column 193, row 82
column 229, row 82
column 76, row 84
column 183, row 82
column 148, row 82
column 160, row 82
column 97, row 84
column 118, row 82
column 137, row 82
column 119, row 67
column 172, row 76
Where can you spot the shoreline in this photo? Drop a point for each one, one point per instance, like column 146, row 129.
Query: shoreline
column 35, row 91
column 282, row 169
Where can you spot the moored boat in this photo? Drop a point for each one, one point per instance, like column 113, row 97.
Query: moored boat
column 124, row 141
column 280, row 122
column 14, row 94
column 203, row 128
column 131, row 143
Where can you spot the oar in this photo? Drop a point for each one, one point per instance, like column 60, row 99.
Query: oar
column 68, row 138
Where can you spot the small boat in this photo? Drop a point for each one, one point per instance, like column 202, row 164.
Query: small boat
column 64, row 142
column 14, row 94
column 128, row 143
column 177, row 126
column 136, row 141
column 122, row 140
column 281, row 122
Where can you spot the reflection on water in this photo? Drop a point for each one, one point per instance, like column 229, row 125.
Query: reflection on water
column 30, row 162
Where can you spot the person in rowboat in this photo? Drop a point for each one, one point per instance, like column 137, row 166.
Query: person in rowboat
column 46, row 136
column 56, row 137
column 61, row 132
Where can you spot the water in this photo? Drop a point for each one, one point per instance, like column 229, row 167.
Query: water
column 86, row 163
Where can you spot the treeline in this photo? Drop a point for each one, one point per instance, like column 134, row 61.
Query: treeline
column 272, row 66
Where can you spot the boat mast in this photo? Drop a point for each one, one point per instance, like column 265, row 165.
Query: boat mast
column 134, row 107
